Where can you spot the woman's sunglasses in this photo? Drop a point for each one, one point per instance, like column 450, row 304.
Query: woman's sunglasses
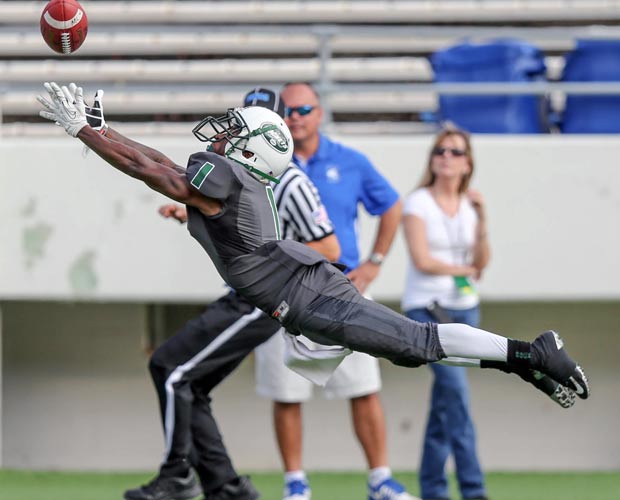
column 453, row 151
column 301, row 110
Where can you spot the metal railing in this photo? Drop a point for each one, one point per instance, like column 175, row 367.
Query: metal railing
column 323, row 11
column 179, row 94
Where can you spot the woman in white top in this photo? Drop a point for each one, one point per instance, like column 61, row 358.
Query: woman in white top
column 445, row 230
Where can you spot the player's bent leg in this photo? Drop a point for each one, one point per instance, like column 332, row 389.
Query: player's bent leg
column 198, row 357
column 217, row 473
column 210, row 460
column 175, row 480
column 175, row 400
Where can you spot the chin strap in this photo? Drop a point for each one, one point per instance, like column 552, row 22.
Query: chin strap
column 262, row 130
column 254, row 170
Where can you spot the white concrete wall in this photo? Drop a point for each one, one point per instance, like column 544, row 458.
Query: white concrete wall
column 76, row 392
column 77, row 395
column 75, row 229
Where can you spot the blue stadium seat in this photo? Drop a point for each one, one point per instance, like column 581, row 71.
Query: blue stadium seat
column 496, row 61
column 592, row 61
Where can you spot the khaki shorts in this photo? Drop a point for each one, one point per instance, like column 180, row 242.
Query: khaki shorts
column 358, row 375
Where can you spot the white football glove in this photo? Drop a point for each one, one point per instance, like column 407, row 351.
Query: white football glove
column 65, row 108
column 94, row 114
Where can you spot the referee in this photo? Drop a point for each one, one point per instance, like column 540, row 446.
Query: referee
column 208, row 348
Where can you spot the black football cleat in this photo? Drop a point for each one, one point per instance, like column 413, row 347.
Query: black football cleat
column 167, row 488
column 238, row 489
column 551, row 358
column 561, row 395
column 556, row 391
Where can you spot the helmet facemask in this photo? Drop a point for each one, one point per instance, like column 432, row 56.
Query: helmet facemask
column 216, row 129
column 256, row 138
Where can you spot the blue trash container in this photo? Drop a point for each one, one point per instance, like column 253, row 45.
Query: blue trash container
column 496, row 61
column 592, row 61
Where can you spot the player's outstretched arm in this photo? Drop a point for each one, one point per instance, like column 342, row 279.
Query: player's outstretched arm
column 170, row 182
column 67, row 109
column 95, row 116
column 153, row 154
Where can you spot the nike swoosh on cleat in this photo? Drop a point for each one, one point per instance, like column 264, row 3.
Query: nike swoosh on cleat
column 581, row 386
column 578, row 388
column 558, row 341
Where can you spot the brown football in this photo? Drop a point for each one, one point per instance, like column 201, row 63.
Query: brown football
column 64, row 25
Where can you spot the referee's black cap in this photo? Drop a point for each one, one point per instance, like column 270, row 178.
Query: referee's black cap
column 266, row 98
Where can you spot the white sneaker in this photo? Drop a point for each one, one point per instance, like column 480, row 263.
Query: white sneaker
column 297, row 490
column 390, row 489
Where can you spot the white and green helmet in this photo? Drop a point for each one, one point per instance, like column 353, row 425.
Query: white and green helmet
column 257, row 138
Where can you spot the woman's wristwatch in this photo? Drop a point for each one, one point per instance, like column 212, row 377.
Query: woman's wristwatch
column 376, row 258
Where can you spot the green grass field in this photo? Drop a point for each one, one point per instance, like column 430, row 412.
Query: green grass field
column 19, row 485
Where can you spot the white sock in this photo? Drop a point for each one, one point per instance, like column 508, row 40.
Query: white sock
column 295, row 475
column 464, row 341
column 377, row 475
column 467, row 362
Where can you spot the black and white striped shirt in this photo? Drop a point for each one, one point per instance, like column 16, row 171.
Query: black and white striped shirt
column 302, row 214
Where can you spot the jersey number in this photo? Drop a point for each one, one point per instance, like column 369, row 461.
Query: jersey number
column 274, row 211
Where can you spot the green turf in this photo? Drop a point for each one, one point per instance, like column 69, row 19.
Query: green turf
column 19, row 485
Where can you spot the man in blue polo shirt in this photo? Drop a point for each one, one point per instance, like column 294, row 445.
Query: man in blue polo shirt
column 345, row 178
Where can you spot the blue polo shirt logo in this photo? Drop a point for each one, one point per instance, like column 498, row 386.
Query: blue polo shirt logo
column 333, row 174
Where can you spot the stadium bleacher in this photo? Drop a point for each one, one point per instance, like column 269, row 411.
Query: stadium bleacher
column 592, row 60
column 180, row 60
column 504, row 60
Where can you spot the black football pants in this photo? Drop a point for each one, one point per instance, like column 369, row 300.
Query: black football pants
column 187, row 367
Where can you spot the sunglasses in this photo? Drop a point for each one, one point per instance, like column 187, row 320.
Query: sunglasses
column 453, row 152
column 301, row 110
